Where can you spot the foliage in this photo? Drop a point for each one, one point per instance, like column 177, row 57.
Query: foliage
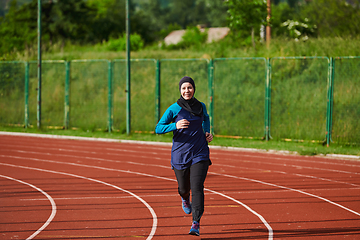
column 64, row 20
column 246, row 15
column 91, row 22
column 18, row 29
column 69, row 20
column 136, row 43
column 191, row 13
column 280, row 13
column 299, row 30
column 333, row 17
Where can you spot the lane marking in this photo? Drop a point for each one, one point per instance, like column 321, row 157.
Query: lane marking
column 270, row 231
column 175, row 195
column 169, row 144
column 258, row 181
column 53, row 205
column 291, row 189
column 162, row 166
column 285, row 158
column 291, row 165
column 238, row 160
column 155, row 220
column 286, row 173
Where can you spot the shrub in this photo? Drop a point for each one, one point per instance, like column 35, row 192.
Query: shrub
column 136, row 43
column 299, row 30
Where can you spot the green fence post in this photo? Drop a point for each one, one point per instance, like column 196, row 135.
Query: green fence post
column 128, row 72
column 211, row 94
column 128, row 99
column 332, row 99
column 267, row 99
column 26, row 94
column 67, row 93
column 329, row 100
column 110, row 95
column 39, row 65
column 157, row 90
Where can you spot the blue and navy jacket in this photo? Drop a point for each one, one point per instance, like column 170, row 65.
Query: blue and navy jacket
column 189, row 144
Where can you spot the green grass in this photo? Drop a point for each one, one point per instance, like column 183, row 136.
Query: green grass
column 279, row 47
column 302, row 148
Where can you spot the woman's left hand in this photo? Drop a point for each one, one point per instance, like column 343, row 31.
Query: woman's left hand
column 209, row 137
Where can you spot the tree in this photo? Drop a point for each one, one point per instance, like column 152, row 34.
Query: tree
column 71, row 20
column 109, row 19
column 18, row 28
column 280, row 13
column 333, row 17
column 216, row 12
column 244, row 16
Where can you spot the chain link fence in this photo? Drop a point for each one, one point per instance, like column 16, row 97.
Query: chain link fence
column 12, row 93
column 299, row 89
column 346, row 100
column 239, row 96
column 303, row 98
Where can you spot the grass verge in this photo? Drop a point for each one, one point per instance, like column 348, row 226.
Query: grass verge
column 302, row 148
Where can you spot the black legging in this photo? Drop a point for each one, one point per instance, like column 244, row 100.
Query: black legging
column 193, row 178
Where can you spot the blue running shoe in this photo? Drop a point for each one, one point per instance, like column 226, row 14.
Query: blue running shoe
column 195, row 227
column 186, row 205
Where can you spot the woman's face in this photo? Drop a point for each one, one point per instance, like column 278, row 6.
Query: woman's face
column 187, row 90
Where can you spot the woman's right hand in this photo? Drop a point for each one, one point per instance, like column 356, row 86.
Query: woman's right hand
column 183, row 123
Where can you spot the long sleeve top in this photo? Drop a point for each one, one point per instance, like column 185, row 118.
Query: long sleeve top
column 189, row 144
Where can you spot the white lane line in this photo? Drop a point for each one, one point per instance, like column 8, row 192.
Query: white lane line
column 276, row 164
column 96, row 158
column 247, row 179
column 175, row 195
column 308, row 176
column 148, row 175
column 238, row 160
column 223, row 158
column 86, row 198
column 293, row 159
column 167, row 167
column 289, row 165
column 154, row 225
column 53, row 205
column 270, row 230
column 291, row 189
column 164, row 145
column 286, row 173
column 258, row 181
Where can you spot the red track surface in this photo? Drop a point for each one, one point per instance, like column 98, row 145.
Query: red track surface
column 72, row 189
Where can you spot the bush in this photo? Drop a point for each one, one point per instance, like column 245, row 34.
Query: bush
column 299, row 30
column 136, row 43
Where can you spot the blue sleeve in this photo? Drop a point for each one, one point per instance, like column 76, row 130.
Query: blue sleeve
column 166, row 123
column 206, row 123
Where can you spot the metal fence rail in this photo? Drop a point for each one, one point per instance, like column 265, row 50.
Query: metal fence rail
column 304, row 98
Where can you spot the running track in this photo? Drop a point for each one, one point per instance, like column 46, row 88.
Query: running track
column 55, row 188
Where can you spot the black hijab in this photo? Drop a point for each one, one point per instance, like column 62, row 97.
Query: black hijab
column 192, row 105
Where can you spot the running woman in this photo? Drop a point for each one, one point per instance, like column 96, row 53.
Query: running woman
column 189, row 122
